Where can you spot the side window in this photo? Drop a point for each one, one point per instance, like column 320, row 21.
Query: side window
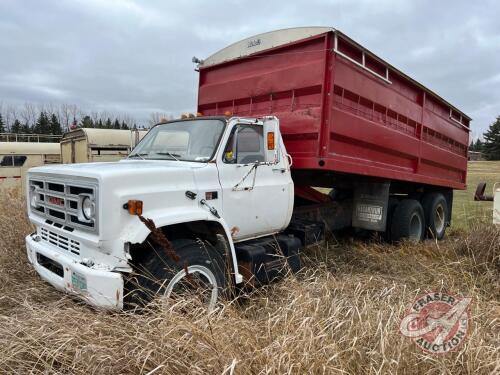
column 245, row 145
column 6, row 161
column 19, row 160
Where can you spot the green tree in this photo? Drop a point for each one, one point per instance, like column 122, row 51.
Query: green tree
column 124, row 126
column 99, row 124
column 108, row 124
column 2, row 124
column 55, row 125
column 87, row 122
column 491, row 146
column 116, row 124
column 478, row 146
column 16, row 127
column 42, row 125
column 25, row 129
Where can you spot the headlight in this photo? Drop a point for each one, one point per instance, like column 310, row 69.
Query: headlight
column 33, row 197
column 88, row 208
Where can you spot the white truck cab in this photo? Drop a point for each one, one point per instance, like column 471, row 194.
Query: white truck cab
column 207, row 183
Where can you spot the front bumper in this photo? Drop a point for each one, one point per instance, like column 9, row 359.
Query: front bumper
column 98, row 288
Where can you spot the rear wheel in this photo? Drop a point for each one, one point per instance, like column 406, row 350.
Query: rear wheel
column 436, row 214
column 199, row 273
column 408, row 221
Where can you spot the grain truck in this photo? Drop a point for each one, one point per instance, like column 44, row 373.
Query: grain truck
column 299, row 131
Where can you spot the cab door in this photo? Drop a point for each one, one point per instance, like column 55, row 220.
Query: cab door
column 257, row 190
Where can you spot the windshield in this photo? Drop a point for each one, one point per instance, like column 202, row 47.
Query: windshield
column 193, row 140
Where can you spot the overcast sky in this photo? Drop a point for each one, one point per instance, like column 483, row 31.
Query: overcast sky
column 135, row 56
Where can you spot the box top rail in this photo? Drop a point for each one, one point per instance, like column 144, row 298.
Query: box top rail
column 255, row 46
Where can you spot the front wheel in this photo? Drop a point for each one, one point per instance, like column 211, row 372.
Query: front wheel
column 200, row 272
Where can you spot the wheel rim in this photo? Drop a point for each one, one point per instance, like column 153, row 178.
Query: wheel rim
column 204, row 274
column 439, row 218
column 415, row 227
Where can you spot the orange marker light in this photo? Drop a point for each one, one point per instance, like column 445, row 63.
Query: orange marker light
column 270, row 141
column 228, row 113
column 134, row 207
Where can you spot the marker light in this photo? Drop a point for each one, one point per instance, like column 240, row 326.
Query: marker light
column 270, row 141
column 134, row 207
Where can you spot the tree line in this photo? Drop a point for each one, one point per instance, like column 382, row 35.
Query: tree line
column 56, row 119
column 490, row 145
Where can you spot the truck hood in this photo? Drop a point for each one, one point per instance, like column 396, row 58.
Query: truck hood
column 122, row 168
column 160, row 184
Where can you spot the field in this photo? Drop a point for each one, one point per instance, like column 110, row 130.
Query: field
column 465, row 210
column 341, row 314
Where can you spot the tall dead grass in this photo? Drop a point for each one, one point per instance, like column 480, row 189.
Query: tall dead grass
column 339, row 315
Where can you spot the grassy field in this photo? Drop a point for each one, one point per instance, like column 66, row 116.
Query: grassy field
column 339, row 315
column 465, row 210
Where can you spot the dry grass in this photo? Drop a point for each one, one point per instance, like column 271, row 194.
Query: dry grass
column 340, row 315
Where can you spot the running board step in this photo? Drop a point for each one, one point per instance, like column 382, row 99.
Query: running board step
column 265, row 260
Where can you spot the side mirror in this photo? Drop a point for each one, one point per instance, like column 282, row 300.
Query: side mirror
column 271, row 139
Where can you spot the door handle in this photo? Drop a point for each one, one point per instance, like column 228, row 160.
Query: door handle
column 282, row 170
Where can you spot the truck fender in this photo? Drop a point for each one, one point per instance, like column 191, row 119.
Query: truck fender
column 137, row 232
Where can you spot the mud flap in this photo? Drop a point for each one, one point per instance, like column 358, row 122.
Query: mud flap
column 370, row 206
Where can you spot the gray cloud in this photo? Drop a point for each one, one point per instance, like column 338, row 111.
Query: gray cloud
column 135, row 56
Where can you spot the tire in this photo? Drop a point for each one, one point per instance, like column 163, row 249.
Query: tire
column 392, row 204
column 157, row 275
column 408, row 221
column 436, row 215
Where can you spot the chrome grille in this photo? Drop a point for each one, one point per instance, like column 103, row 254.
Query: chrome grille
column 60, row 201
column 60, row 241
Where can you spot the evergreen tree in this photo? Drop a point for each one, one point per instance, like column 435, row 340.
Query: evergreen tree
column 16, row 127
column 124, row 126
column 116, row 124
column 87, row 122
column 55, row 125
column 478, row 146
column 2, row 125
column 25, row 129
column 471, row 145
column 108, row 124
column 491, row 146
column 99, row 124
column 42, row 125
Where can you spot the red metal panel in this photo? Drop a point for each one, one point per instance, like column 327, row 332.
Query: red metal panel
column 337, row 116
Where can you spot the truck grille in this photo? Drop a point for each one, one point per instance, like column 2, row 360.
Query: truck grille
column 60, row 241
column 60, row 201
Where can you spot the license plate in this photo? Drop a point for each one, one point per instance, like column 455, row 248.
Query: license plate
column 78, row 281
